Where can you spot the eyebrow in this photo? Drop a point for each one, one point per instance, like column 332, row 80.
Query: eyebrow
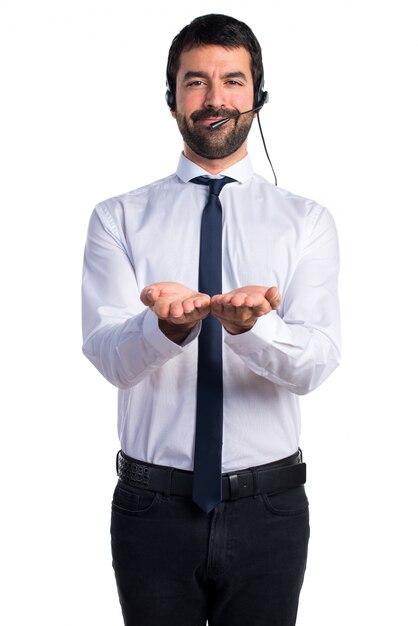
column 201, row 74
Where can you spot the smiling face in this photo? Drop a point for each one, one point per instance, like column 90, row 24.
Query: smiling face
column 214, row 82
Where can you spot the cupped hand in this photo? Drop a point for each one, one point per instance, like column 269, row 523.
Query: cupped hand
column 238, row 310
column 177, row 307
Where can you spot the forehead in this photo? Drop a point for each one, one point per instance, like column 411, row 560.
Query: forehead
column 213, row 60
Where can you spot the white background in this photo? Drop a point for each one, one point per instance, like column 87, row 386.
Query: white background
column 84, row 118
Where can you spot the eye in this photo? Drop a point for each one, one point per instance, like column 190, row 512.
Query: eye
column 234, row 83
column 195, row 83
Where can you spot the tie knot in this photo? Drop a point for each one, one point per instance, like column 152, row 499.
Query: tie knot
column 215, row 184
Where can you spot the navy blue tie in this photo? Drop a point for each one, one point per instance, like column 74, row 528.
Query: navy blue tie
column 207, row 480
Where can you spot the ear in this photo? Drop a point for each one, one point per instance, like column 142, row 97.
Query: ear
column 174, row 114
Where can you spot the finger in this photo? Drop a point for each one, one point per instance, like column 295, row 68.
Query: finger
column 216, row 306
column 176, row 309
column 162, row 308
column 273, row 296
column 267, row 302
column 189, row 305
column 255, row 300
column 202, row 302
column 144, row 296
column 223, row 298
column 241, row 314
column 261, row 310
column 239, row 299
column 150, row 294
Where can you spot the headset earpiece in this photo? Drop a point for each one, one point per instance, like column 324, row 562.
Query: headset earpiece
column 170, row 99
column 260, row 96
column 263, row 97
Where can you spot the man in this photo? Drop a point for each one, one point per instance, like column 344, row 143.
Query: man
column 190, row 545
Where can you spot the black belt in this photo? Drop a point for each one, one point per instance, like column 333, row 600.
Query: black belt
column 283, row 474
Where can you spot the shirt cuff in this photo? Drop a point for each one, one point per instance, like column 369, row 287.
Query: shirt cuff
column 192, row 335
column 160, row 342
column 267, row 330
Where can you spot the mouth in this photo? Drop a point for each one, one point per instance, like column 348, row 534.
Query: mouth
column 208, row 117
column 209, row 120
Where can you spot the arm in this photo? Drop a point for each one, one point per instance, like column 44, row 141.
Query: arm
column 298, row 345
column 122, row 337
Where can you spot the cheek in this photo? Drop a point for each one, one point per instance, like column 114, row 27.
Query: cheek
column 188, row 104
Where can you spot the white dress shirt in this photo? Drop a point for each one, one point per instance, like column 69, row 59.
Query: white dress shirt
column 270, row 237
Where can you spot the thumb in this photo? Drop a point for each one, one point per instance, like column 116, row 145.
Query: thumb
column 149, row 295
column 273, row 296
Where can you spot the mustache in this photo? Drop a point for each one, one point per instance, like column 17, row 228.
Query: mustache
column 204, row 114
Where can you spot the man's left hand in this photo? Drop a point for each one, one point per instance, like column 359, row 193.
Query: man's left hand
column 239, row 309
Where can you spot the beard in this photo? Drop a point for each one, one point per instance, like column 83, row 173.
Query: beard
column 219, row 142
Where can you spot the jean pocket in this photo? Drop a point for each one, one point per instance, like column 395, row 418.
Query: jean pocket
column 132, row 500
column 289, row 502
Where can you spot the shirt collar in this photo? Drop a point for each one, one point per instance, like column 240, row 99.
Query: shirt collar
column 241, row 171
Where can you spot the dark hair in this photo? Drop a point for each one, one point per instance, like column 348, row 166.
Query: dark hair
column 214, row 29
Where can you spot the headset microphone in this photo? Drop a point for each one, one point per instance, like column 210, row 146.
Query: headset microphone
column 224, row 120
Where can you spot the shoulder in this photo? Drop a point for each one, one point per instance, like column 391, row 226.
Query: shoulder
column 139, row 195
column 296, row 207
column 113, row 210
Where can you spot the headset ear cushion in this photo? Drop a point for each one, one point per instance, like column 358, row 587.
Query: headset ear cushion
column 264, row 97
column 169, row 98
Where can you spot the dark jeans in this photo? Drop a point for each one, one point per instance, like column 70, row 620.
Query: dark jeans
column 241, row 565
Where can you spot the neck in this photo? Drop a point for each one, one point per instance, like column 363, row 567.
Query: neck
column 214, row 166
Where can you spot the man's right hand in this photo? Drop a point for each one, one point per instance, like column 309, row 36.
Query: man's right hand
column 177, row 307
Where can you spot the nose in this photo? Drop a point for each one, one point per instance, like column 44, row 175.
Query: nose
column 214, row 97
